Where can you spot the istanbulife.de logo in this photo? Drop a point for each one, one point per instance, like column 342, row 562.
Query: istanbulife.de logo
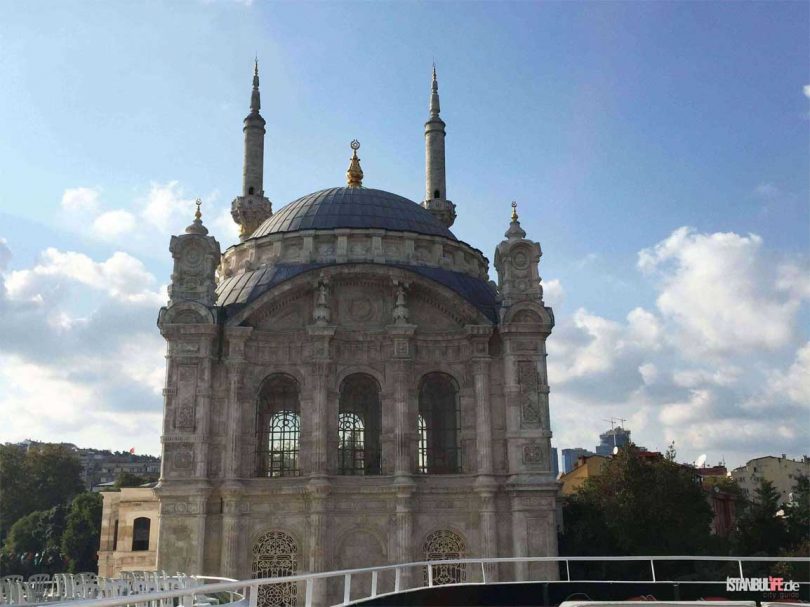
column 760, row 584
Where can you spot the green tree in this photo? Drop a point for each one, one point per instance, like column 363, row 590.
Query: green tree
column 127, row 479
column 80, row 540
column 761, row 530
column 54, row 475
column 797, row 516
column 28, row 533
column 638, row 506
column 35, row 479
column 15, row 499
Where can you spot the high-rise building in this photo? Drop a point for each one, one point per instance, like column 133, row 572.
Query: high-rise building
column 570, row 457
column 610, row 439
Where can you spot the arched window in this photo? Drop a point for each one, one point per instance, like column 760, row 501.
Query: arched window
column 275, row 554
column 140, row 533
column 279, row 427
column 439, row 431
column 359, row 425
column 445, row 545
column 436, row 194
column 250, row 190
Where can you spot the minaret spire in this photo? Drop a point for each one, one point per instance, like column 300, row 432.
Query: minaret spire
column 251, row 208
column 435, row 182
column 255, row 99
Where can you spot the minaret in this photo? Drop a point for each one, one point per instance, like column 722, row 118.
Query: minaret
column 251, row 208
column 435, row 183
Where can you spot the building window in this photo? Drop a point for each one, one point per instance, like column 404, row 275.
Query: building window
column 437, row 194
column 359, row 425
column 439, row 413
column 275, row 554
column 140, row 534
column 279, row 427
column 445, row 545
column 422, row 463
column 115, row 536
column 250, row 190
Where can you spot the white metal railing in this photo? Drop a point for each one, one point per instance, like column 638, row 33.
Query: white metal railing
column 247, row 591
column 41, row 588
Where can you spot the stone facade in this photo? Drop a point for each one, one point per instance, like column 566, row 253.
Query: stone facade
column 356, row 395
column 129, row 531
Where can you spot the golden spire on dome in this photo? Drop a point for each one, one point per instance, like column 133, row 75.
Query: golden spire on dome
column 354, row 176
column 514, row 211
column 198, row 213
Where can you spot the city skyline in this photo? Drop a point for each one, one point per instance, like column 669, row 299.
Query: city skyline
column 657, row 152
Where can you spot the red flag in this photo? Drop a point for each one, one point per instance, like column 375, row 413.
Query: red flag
column 132, row 450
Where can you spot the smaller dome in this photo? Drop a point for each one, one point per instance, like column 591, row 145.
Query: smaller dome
column 353, row 208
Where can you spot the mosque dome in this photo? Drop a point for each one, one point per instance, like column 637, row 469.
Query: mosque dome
column 353, row 207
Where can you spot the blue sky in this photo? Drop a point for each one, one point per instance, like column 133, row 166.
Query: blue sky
column 613, row 125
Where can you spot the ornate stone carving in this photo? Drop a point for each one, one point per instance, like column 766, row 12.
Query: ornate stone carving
column 321, row 315
column 529, row 382
column 533, row 453
column 181, row 457
column 249, row 212
column 400, row 313
column 275, row 554
column 196, row 257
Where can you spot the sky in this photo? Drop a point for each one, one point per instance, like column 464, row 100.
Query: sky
column 658, row 151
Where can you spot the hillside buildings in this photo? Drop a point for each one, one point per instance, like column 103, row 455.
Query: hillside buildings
column 781, row 471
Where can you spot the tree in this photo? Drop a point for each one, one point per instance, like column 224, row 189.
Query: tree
column 80, row 540
column 760, row 527
column 797, row 516
column 638, row 506
column 127, row 479
column 28, row 533
column 14, row 498
column 36, row 479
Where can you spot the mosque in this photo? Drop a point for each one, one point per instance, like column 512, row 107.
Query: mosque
column 345, row 388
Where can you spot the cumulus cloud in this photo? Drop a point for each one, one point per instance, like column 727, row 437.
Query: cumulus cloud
column 80, row 359
column 716, row 291
column 113, row 224
column 553, row 293
column 806, row 90
column 708, row 357
column 5, row 254
column 81, row 199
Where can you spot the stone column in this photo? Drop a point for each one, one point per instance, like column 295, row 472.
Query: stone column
column 401, row 336
column 319, row 490
column 231, row 498
column 519, row 539
column 321, row 370
column 483, row 416
column 489, row 530
column 404, row 530
column 236, row 336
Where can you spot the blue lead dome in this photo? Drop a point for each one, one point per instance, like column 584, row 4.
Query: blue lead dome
column 353, row 208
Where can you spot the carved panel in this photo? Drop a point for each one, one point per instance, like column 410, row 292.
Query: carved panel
column 180, row 457
column 533, row 454
column 529, row 382
column 185, row 412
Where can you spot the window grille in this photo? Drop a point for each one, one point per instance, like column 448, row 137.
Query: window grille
column 359, row 416
column 275, row 554
column 351, row 449
column 439, row 412
column 445, row 545
column 423, row 449
column 279, row 428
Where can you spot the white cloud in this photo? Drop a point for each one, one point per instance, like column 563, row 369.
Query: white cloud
column 122, row 277
column 714, row 288
column 769, row 191
column 166, row 208
column 806, row 90
column 648, row 372
column 81, row 199
column 113, row 224
column 795, row 382
column 553, row 293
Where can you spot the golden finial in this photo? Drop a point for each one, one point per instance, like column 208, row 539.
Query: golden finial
column 354, row 176
column 514, row 211
column 198, row 214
